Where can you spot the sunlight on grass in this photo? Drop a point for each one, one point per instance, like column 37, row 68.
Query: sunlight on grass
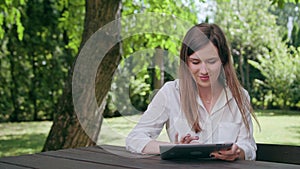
column 278, row 130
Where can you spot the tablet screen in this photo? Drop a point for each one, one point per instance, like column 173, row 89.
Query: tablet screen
column 190, row 150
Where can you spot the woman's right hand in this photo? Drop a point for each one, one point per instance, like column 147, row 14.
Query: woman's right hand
column 187, row 139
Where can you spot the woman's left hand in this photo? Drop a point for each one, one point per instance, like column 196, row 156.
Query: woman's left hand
column 229, row 155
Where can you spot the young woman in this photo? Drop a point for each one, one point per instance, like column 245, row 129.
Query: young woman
column 205, row 105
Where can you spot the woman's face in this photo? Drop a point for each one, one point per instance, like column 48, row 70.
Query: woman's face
column 205, row 65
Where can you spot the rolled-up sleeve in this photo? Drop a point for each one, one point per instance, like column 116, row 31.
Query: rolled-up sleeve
column 150, row 125
column 245, row 139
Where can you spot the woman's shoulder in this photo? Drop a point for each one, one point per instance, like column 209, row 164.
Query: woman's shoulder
column 245, row 92
column 172, row 84
column 168, row 90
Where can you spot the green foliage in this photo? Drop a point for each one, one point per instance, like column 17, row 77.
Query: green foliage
column 11, row 16
column 281, row 79
column 248, row 32
column 295, row 40
column 178, row 9
column 255, row 38
column 141, row 51
column 288, row 16
column 34, row 67
column 39, row 40
column 282, row 3
column 71, row 21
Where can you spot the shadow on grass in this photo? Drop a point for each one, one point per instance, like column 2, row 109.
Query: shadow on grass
column 21, row 144
column 296, row 130
column 277, row 113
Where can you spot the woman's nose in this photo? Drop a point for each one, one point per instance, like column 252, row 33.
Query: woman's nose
column 202, row 68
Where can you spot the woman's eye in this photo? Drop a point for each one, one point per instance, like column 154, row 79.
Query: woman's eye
column 195, row 62
column 211, row 61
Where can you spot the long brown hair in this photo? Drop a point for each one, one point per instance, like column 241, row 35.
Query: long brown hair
column 195, row 39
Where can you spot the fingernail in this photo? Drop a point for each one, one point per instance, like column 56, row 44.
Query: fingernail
column 219, row 152
column 212, row 156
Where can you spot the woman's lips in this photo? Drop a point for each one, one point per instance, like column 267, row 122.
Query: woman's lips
column 204, row 78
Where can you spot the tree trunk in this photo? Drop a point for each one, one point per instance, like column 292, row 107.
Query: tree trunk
column 33, row 87
column 66, row 131
column 241, row 63
column 158, row 66
column 13, row 91
column 247, row 74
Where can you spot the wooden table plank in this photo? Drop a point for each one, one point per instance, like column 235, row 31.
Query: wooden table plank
column 120, row 151
column 12, row 166
column 48, row 162
column 103, row 157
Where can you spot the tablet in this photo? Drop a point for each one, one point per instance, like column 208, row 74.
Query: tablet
column 183, row 151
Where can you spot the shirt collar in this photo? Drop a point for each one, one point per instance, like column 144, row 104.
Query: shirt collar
column 222, row 100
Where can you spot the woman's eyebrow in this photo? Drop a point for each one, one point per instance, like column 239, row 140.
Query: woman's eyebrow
column 214, row 58
column 194, row 59
column 199, row 58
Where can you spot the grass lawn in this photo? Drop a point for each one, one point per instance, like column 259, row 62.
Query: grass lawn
column 29, row 137
column 278, row 127
column 23, row 138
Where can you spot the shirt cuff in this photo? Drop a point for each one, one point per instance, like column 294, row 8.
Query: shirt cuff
column 137, row 145
column 249, row 153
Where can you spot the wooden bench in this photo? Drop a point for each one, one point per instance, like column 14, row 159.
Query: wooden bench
column 278, row 153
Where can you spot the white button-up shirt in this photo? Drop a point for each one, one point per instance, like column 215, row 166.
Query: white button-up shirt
column 223, row 125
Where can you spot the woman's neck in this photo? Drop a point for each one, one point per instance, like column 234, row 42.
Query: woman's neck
column 210, row 92
column 209, row 95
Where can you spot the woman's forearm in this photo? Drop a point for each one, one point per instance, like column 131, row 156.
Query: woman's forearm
column 153, row 147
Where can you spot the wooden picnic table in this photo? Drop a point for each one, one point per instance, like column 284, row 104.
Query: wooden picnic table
column 114, row 157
